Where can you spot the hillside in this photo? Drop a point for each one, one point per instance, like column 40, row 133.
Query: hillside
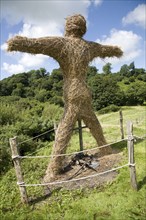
column 121, row 88
column 112, row 200
column 30, row 104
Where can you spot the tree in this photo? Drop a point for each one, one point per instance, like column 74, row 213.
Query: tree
column 107, row 68
column 136, row 93
column 56, row 75
column 141, row 74
column 19, row 90
column 92, row 71
column 105, row 91
column 132, row 68
column 41, row 72
column 56, row 92
column 124, row 71
column 42, row 95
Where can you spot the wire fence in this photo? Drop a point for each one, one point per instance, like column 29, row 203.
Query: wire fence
column 22, row 183
column 76, row 179
column 140, row 119
column 16, row 158
column 33, row 138
column 69, row 154
column 103, row 124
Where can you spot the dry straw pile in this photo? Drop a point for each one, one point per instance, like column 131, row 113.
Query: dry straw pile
column 73, row 54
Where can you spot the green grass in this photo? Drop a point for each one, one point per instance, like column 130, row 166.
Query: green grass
column 113, row 201
column 111, row 122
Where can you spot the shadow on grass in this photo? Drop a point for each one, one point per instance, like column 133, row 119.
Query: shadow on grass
column 119, row 146
column 47, row 194
column 139, row 140
column 142, row 183
column 123, row 144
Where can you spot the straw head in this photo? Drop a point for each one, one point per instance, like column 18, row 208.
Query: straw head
column 75, row 26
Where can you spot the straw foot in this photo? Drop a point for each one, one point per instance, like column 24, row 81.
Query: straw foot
column 105, row 151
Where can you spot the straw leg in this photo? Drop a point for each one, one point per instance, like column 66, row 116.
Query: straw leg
column 93, row 124
column 63, row 135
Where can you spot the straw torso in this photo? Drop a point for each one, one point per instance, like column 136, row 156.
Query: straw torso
column 76, row 59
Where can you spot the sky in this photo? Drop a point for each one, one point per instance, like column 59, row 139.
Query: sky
column 109, row 22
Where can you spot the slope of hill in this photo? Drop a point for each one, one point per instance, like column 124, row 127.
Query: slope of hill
column 113, row 200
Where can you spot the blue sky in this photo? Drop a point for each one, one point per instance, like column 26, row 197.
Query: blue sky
column 113, row 22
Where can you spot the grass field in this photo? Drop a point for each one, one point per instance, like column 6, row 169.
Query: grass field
column 113, row 201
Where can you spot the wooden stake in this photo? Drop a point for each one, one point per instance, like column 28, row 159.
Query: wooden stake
column 121, row 124
column 80, row 134
column 131, row 155
column 55, row 127
column 17, row 165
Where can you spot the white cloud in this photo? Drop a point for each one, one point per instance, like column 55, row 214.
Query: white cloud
column 42, row 18
column 4, row 46
column 39, row 18
column 128, row 41
column 52, row 29
column 30, row 61
column 13, row 68
column 26, row 62
column 137, row 16
column 39, row 12
column 97, row 2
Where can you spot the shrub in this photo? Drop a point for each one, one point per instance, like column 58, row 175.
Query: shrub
column 8, row 114
column 131, row 79
column 111, row 108
column 126, row 82
column 5, row 158
column 42, row 95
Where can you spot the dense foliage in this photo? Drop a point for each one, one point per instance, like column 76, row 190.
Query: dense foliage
column 127, row 87
column 30, row 102
column 27, row 119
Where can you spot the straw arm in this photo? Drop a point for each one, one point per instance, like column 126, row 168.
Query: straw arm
column 98, row 50
column 50, row 46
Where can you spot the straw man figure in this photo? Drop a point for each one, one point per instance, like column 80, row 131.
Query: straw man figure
column 73, row 54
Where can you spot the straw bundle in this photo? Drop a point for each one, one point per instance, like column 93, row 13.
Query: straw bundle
column 75, row 26
column 73, row 54
column 50, row 46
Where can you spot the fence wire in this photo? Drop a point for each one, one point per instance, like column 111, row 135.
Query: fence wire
column 69, row 154
column 74, row 180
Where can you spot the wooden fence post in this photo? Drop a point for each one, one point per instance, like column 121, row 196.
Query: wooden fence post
column 55, row 127
column 17, row 165
column 80, row 134
column 121, row 124
column 131, row 159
